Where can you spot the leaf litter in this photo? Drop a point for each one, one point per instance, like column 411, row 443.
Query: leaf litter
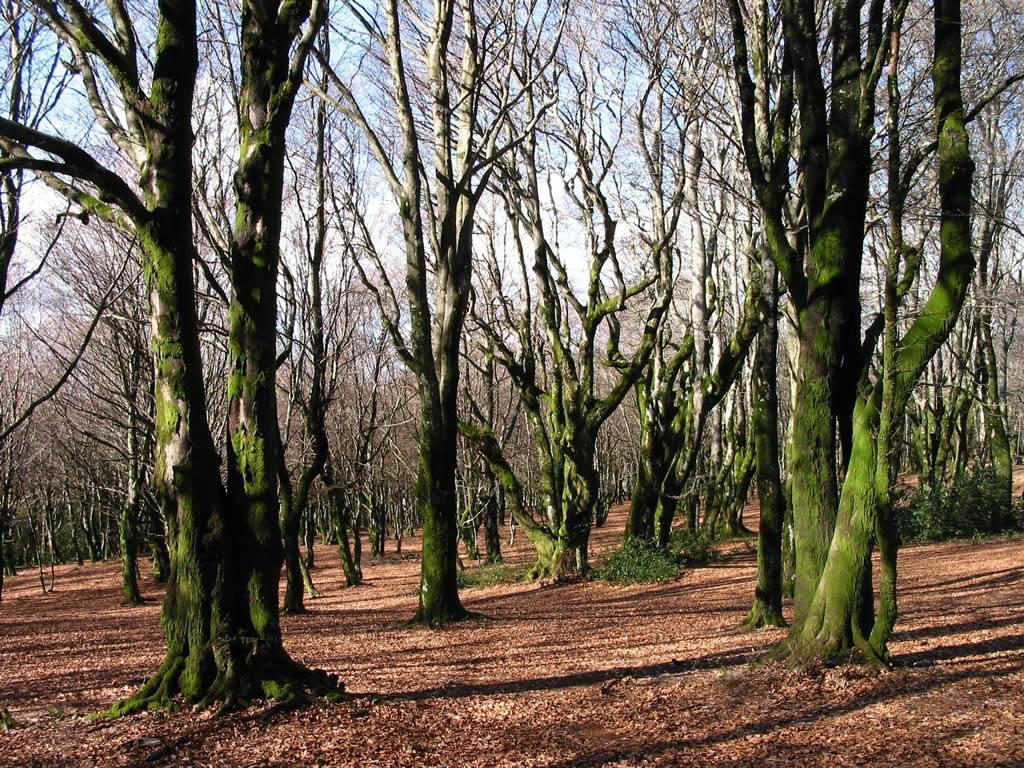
column 581, row 674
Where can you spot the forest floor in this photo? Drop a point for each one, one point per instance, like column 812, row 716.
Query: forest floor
column 583, row 674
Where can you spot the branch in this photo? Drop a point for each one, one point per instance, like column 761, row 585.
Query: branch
column 72, row 364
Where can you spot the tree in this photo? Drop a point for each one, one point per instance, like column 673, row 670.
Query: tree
column 437, row 184
column 841, row 614
column 551, row 348
column 220, row 610
column 767, row 607
column 822, row 271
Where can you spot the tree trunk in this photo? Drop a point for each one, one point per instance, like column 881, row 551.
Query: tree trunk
column 129, row 552
column 340, row 518
column 840, row 618
column 290, row 522
column 156, row 538
column 439, row 602
column 492, row 530
column 221, row 611
column 767, row 607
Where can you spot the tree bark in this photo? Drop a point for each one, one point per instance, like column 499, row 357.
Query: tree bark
column 840, row 618
column 767, row 607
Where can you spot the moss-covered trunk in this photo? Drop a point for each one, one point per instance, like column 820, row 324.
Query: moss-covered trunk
column 439, row 601
column 840, row 618
column 492, row 521
column 994, row 207
column 221, row 612
column 767, row 607
column 341, row 520
column 186, row 481
column 129, row 534
column 656, row 488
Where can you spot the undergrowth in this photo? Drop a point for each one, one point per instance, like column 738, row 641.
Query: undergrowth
column 488, row 575
column 637, row 561
column 695, row 547
column 975, row 503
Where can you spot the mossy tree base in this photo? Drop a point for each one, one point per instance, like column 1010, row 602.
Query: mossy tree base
column 440, row 619
column 241, row 678
column 828, row 648
column 762, row 615
column 558, row 561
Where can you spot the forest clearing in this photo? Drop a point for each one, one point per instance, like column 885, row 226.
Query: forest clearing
column 275, row 273
column 582, row 674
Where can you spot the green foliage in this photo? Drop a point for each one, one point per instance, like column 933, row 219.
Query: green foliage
column 637, row 561
column 975, row 503
column 488, row 575
column 695, row 547
column 7, row 722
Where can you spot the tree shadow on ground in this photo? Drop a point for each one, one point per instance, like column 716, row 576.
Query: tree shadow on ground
column 633, row 750
column 593, row 677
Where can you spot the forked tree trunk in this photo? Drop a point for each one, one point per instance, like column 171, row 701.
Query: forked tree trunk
column 220, row 613
column 840, row 618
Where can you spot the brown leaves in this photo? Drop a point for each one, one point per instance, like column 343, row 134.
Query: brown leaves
column 579, row 675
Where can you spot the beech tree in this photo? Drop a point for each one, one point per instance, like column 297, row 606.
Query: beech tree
column 836, row 532
column 437, row 182
column 821, row 273
column 551, row 348
column 220, row 613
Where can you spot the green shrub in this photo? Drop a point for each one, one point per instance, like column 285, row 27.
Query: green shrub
column 487, row 575
column 636, row 561
column 975, row 503
column 695, row 547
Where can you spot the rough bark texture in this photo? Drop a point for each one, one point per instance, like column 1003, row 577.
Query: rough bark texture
column 822, row 271
column 221, row 612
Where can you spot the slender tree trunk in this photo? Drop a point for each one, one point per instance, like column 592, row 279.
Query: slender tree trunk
column 290, row 521
column 129, row 553
column 340, row 518
column 492, row 513
column 767, row 607
column 157, row 540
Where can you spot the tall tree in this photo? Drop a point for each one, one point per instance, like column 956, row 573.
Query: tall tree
column 841, row 615
column 767, row 607
column 552, row 349
column 822, row 269
column 437, row 184
column 220, row 610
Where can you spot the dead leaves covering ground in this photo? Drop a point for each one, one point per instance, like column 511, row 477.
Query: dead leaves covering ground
column 581, row 675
